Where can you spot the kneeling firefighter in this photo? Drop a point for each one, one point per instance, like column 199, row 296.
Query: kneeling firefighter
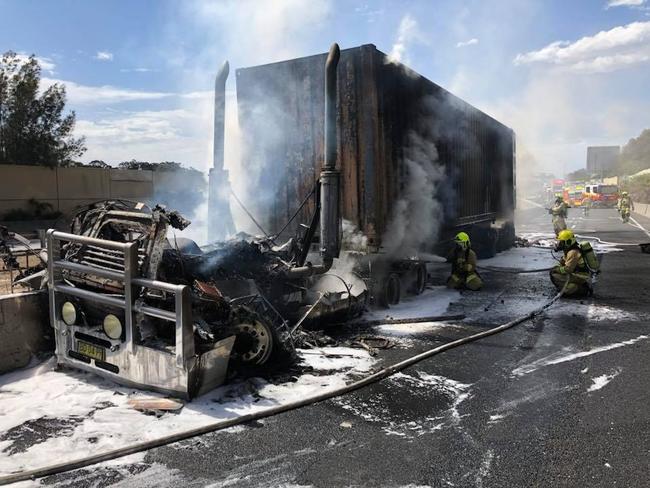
column 577, row 265
column 463, row 265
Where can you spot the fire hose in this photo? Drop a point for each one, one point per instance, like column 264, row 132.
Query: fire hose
column 224, row 424
column 513, row 271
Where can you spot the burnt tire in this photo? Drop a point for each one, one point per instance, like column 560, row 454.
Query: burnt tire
column 420, row 279
column 257, row 342
column 390, row 290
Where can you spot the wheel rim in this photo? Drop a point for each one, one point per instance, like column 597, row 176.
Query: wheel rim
column 254, row 342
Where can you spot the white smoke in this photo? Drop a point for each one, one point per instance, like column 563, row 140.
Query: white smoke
column 352, row 237
column 246, row 34
column 408, row 33
column 417, row 214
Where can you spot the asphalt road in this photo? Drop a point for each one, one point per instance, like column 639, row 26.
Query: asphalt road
column 559, row 401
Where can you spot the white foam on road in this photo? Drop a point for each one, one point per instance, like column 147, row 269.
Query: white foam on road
column 548, row 241
column 563, row 357
column 593, row 312
column 432, row 303
column 100, row 418
column 411, row 330
column 337, row 358
column 411, row 425
column 602, row 380
column 521, row 258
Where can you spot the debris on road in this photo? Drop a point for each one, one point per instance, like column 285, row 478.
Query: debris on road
column 156, row 406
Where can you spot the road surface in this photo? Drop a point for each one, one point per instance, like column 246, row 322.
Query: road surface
column 559, row 401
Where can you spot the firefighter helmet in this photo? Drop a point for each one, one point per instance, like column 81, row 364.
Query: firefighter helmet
column 566, row 238
column 462, row 240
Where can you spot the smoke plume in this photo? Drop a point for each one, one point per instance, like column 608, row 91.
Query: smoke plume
column 417, row 214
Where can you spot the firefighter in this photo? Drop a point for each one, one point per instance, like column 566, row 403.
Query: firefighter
column 625, row 204
column 559, row 212
column 573, row 266
column 586, row 206
column 463, row 265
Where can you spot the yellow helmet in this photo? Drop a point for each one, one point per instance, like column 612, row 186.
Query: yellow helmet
column 624, row 193
column 462, row 239
column 566, row 238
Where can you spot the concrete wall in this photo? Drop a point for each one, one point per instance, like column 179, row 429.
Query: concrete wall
column 642, row 209
column 68, row 188
column 24, row 329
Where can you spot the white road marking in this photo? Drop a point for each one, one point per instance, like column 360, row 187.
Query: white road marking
column 639, row 226
column 562, row 357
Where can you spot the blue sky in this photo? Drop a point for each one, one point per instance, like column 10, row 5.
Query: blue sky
column 563, row 74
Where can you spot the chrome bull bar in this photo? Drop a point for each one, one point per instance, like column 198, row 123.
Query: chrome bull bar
column 180, row 373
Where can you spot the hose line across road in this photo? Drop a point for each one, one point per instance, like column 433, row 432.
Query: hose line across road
column 224, row 424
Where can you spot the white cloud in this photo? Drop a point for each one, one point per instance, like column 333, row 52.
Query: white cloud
column 100, row 95
column 104, row 56
column 610, row 50
column 164, row 135
column 469, row 42
column 408, row 33
column 137, row 70
column 46, row 63
column 624, row 3
column 558, row 114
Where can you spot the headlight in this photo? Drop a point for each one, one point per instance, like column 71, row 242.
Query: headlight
column 69, row 313
column 112, row 326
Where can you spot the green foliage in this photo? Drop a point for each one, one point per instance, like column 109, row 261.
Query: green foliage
column 33, row 129
column 639, row 188
column 97, row 163
column 635, row 155
column 35, row 211
column 579, row 175
column 162, row 166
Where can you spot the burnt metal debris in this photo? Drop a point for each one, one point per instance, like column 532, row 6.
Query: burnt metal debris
column 130, row 301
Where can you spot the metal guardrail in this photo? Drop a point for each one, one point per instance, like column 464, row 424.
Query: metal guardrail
column 182, row 316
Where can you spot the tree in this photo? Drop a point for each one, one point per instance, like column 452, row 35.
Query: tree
column 635, row 155
column 33, row 128
column 98, row 163
column 579, row 175
column 135, row 164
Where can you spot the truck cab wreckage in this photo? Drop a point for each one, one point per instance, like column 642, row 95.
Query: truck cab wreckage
column 130, row 301
column 132, row 305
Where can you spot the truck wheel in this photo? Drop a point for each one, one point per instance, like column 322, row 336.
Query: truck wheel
column 390, row 291
column 257, row 341
column 420, row 279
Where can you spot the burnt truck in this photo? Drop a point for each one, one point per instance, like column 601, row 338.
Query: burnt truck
column 394, row 127
column 130, row 301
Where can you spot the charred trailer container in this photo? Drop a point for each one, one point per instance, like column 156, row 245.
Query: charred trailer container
column 394, row 127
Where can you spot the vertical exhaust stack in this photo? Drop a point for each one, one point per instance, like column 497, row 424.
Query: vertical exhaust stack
column 330, row 177
column 220, row 222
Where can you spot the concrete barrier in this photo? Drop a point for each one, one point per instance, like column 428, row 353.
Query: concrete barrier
column 66, row 189
column 642, row 209
column 24, row 329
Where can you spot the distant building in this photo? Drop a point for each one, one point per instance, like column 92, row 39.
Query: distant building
column 602, row 158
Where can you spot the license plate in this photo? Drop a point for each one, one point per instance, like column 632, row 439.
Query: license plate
column 91, row 350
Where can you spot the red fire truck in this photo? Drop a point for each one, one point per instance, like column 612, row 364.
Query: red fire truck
column 602, row 195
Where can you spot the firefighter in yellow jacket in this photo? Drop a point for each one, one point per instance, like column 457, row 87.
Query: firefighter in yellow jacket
column 572, row 268
column 463, row 265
